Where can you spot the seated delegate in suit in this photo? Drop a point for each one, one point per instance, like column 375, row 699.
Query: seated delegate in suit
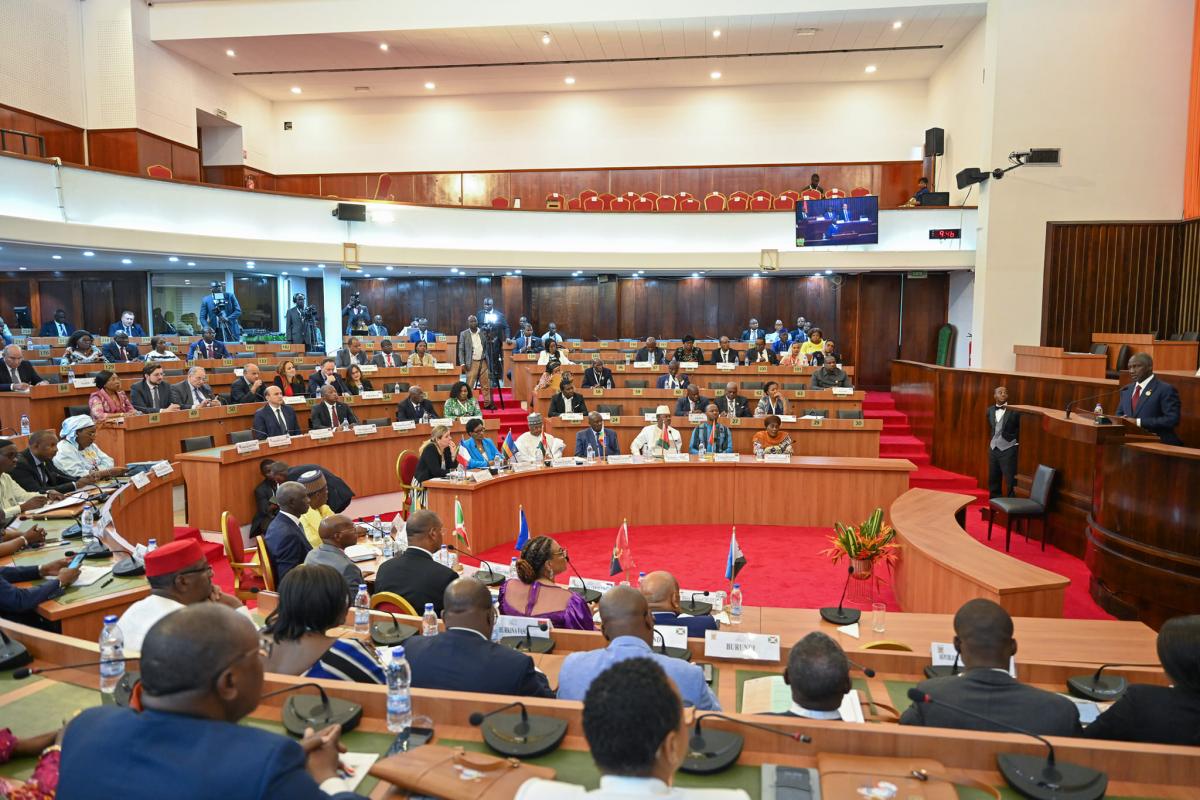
column 759, row 353
column 638, row 736
column 688, row 351
column 420, row 356
column 628, row 625
column 422, row 333
column 829, row 351
column 127, row 326
column 772, row 401
column 416, row 407
column 274, row 418
column 119, row 350
column 772, row 439
column 335, row 533
column 58, row 326
column 710, row 434
column 414, row 574
column 109, row 401
column 535, row 446
column 356, row 384
column 387, row 357
column 659, row 438
column 35, row 470
column 464, row 658
column 289, row 379
column 567, row 401
column 753, row 332
column 481, row 451
column 782, row 342
column 351, row 354
column 533, row 592
column 732, row 404
column 602, row 441
column 661, row 591
column 435, row 459
column 828, row 376
column 207, row 346
column 17, row 374
column 326, row 375
column 286, row 544
column 377, row 328
column 673, row 380
column 1150, row 402
column 597, row 375
column 313, row 599
column 159, row 351
column 461, row 403
column 331, row 412
column 799, row 334
column 152, row 393
column 77, row 453
column 651, row 352
column 818, row 673
column 201, row 671
column 528, row 342
column 773, row 336
column 553, row 350
column 691, row 402
column 1161, row 714
column 81, row 350
column 983, row 635
column 194, row 391
column 724, row 354
column 249, row 387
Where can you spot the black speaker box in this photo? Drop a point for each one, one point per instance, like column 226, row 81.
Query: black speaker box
column 351, row 212
column 935, row 142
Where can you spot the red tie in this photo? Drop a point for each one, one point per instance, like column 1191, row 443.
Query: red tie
column 1137, row 393
column 388, row 357
column 333, row 415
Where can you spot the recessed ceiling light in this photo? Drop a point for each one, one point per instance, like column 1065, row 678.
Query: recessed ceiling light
column 230, row 53
column 249, row 266
column 320, row 266
column 897, row 25
column 296, row 90
column 191, row 263
column 304, row 269
column 383, row 46
column 508, row 273
column 430, row 85
column 126, row 260
column 186, row 281
column 715, row 75
column 828, row 272
column 545, row 37
column 717, row 33
column 249, row 263
column 172, row 259
column 870, row 68
column 695, row 274
column 569, row 80
column 454, row 269
column 23, row 268
column 367, row 275
column 56, row 257
column 755, row 275
column 284, row 274
column 389, row 268
column 516, row 271
column 88, row 253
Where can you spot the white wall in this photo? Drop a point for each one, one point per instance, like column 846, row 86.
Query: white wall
column 1105, row 80
column 41, row 67
column 956, row 104
column 784, row 123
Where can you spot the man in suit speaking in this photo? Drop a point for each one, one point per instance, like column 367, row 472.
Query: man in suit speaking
column 1149, row 402
column 1004, row 425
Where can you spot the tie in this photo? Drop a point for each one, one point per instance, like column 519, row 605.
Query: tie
column 600, row 441
column 279, row 417
column 16, row 375
column 154, row 396
column 45, row 475
column 62, row 331
column 128, row 332
column 387, row 359
column 1137, row 393
column 333, row 415
column 197, row 397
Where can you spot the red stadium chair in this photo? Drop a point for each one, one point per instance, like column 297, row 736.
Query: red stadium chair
column 631, row 196
column 593, row 203
column 739, row 201
column 666, row 203
column 860, row 191
column 785, row 202
column 499, row 202
column 761, row 201
column 607, row 197
column 643, row 203
column 586, row 193
column 835, row 193
column 714, row 201
column 651, row 196
column 159, row 171
column 688, row 203
column 574, row 204
column 247, row 572
column 809, row 194
column 555, row 202
column 621, row 204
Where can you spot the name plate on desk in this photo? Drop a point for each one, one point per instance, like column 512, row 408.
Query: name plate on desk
column 787, row 417
column 650, row 417
column 572, row 417
column 374, row 394
column 404, row 425
column 777, row 458
column 625, row 459
column 481, row 475
column 676, row 458
column 163, row 468
column 564, row 462
column 496, row 569
column 596, row 586
column 366, row 368
column 295, row 400
column 140, row 480
column 841, row 391
column 317, row 434
column 672, row 636
column 689, row 365
column 239, row 371
column 365, row 430
column 716, row 599
column 447, row 421
column 444, row 366
column 643, row 364
column 518, row 626
column 727, row 458
column 283, row 440
column 745, row 646
column 247, row 447
column 84, row 383
column 697, row 419
column 524, row 466
column 604, row 415
column 726, row 366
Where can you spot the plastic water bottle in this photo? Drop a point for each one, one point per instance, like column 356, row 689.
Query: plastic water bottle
column 735, row 605
column 758, row 451
column 498, row 462
column 627, row 360
column 70, row 374
column 388, row 549
column 512, row 567
column 641, row 577
column 376, row 531
column 1098, row 410
column 362, row 610
column 345, row 425
column 151, row 545
column 451, row 558
column 399, row 699
column 591, row 454
column 429, row 622
column 112, row 646
column 87, row 524
column 24, row 424
column 701, row 451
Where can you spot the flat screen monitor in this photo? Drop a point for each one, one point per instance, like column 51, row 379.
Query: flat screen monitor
column 837, row 221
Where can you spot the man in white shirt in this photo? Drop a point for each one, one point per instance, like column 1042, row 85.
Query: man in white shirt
column 535, row 445
column 638, row 736
column 179, row 575
column 650, row 442
column 472, row 357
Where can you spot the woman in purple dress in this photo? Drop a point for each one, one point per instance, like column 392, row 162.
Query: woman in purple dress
column 533, row 593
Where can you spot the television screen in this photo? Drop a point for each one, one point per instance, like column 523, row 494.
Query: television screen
column 837, row 221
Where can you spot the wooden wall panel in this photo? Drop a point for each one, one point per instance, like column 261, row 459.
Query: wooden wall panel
column 314, row 294
column 61, row 140
column 299, row 184
column 478, row 188
column 926, row 304
column 898, row 182
column 153, row 150
column 1189, row 277
column 185, row 162
column 437, row 188
column 100, row 310
column 878, row 328
column 16, row 290
column 115, row 149
column 347, row 186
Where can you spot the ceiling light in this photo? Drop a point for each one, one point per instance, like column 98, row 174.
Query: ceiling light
column 545, row 37
column 569, row 80
column 23, row 268
column 304, row 269
column 383, row 46
column 249, row 266
column 454, row 269
column 126, row 260
column 807, row 31
column 320, row 266
column 249, row 263
column 56, row 257
column 367, row 275
column 897, row 25
column 430, row 85
column 695, row 274
column 509, row 273
column 284, row 274
column 755, row 275
column 191, row 263
column 230, row 53
column 173, row 259
column 517, row 271
column 389, row 268
column 714, row 75
column 717, row 33
column 828, row 272
column 296, row 90
column 186, row 281
column 88, row 253
column 870, row 68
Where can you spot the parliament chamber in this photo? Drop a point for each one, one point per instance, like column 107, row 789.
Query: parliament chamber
column 512, row 401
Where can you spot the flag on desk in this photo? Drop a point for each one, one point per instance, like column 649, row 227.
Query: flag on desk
column 522, row 529
column 460, row 525
column 463, row 456
column 735, row 561
column 622, row 557
column 509, row 447
column 664, row 440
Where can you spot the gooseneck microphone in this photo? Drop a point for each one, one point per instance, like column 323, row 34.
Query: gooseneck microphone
column 1033, row 776
column 1101, row 419
column 941, row 670
column 681, row 653
column 528, row 644
column 390, row 635
column 301, row 713
column 696, row 609
column 870, row 673
column 713, row 750
column 12, row 653
column 521, row 735
column 840, row 615
column 492, row 578
column 122, row 693
column 589, row 595
column 1101, row 689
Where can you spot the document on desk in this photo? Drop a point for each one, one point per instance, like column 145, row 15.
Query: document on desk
column 90, row 574
column 771, row 694
column 355, row 767
column 73, row 499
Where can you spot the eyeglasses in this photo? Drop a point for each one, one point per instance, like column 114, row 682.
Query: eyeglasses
column 562, row 551
column 197, row 570
column 264, row 649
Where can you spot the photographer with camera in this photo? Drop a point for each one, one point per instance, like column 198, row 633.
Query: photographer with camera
column 221, row 311
column 358, row 319
column 302, row 325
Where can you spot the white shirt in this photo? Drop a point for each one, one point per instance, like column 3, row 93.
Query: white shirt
column 166, row 355
column 801, row 711
column 647, row 442
column 1000, row 413
column 77, row 463
column 12, row 496
column 613, row 786
column 544, row 357
column 527, row 447
column 1140, row 388
column 140, row 617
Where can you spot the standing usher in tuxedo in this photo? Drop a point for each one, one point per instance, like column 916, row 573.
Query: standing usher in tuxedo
column 1004, row 425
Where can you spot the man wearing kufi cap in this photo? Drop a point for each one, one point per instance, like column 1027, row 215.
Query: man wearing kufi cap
column 179, row 576
column 317, row 487
column 656, row 440
column 537, row 446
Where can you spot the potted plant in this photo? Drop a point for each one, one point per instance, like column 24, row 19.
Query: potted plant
column 872, row 541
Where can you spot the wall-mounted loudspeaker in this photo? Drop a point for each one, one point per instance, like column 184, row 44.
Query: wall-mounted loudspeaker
column 935, row 142
column 351, row 212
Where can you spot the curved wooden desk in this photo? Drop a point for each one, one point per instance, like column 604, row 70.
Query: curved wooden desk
column 941, row 566
column 565, row 498
column 632, row 401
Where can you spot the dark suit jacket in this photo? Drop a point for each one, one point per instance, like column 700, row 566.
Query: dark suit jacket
column 294, row 326
column 696, row 626
column 533, row 344
column 588, row 436
column 179, row 751
column 26, row 474
column 342, row 359
column 1154, row 714
column 772, row 356
column 317, row 380
column 433, row 464
column 559, row 405
column 26, row 371
column 202, row 349
column 286, row 545
column 416, row 577
column 266, row 425
column 741, row 404
column 683, row 407
column 657, row 356
column 731, row 357
column 405, row 410
column 697, row 355
column 397, row 359
column 239, row 392
column 993, row 694
column 463, row 661
column 747, row 336
column 1010, row 424
column 683, row 379
column 605, row 381
column 182, row 393
column 319, row 418
column 429, row 336
column 264, row 508
column 135, row 330
column 139, row 395
column 50, row 329
column 112, row 352
column 340, row 494
column 1157, row 409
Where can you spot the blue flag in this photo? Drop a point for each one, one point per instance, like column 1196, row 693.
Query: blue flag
column 509, row 447
column 735, row 560
column 523, row 530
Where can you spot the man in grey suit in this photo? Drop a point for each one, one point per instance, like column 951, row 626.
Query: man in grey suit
column 194, row 392
column 473, row 358
column 386, row 358
column 983, row 636
column 337, row 533
column 352, row 354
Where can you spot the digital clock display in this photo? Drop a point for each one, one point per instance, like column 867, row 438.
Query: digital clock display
column 945, row 233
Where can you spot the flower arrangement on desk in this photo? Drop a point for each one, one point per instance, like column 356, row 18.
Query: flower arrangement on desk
column 865, row 544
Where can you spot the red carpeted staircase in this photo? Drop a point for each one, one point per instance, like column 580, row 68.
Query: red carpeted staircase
column 512, row 417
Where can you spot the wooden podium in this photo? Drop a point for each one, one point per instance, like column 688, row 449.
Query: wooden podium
column 1140, row 509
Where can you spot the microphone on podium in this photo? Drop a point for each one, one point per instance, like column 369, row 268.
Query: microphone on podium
column 1100, row 418
column 588, row 595
column 840, row 615
column 694, row 607
column 1033, row 776
column 681, row 653
column 519, row 735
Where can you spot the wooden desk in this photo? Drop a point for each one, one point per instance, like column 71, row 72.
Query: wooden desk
column 564, row 498
column 810, row 437
column 1056, row 361
column 941, row 566
column 632, row 401
column 1167, row 355
column 221, row 479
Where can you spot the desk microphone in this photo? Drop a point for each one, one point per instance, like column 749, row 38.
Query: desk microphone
column 519, row 735
column 123, row 692
column 1100, row 419
column 386, row 635
column 12, row 653
column 714, row 750
column 1101, row 689
column 527, row 643
column 941, row 670
column 870, row 673
column 681, row 653
column 492, row 578
column 696, row 609
column 300, row 713
column 1033, row 776
column 839, row 615
column 589, row 595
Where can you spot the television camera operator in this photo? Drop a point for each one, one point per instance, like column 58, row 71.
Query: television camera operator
column 356, row 315
column 303, row 325
column 221, row 311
